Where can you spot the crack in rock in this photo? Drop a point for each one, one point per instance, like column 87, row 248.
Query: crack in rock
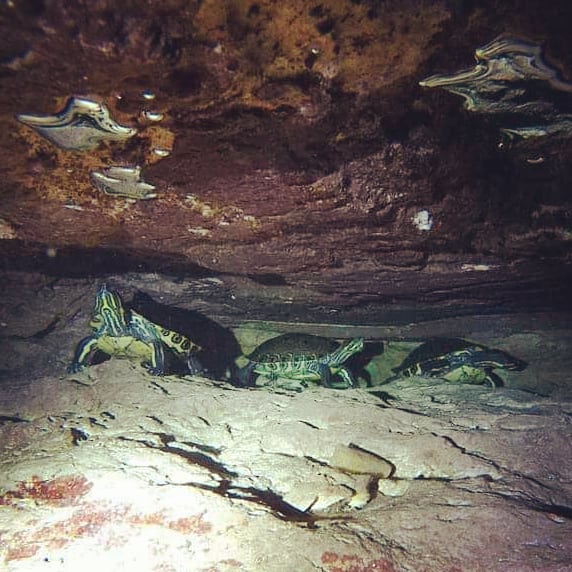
column 272, row 501
column 227, row 488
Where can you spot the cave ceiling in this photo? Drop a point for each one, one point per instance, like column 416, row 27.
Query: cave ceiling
column 330, row 154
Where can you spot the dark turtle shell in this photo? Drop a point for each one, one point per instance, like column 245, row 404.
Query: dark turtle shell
column 441, row 355
column 287, row 346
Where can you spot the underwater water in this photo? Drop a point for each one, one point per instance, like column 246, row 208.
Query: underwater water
column 285, row 286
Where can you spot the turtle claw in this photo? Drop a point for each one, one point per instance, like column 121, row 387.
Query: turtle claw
column 74, row 368
column 154, row 369
column 194, row 365
column 245, row 375
column 325, row 375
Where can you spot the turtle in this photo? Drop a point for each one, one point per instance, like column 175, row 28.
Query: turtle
column 457, row 360
column 124, row 333
column 301, row 357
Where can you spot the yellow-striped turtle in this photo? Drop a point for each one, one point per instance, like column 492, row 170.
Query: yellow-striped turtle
column 302, row 357
column 126, row 334
column 458, row 361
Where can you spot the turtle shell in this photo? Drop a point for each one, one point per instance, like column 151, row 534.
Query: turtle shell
column 442, row 355
column 289, row 346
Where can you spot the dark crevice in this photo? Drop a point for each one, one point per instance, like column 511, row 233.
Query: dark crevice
column 47, row 330
column 76, row 262
column 12, row 419
column 201, row 460
column 463, row 450
column 205, row 448
column 160, row 388
column 519, row 496
column 195, row 458
column 273, row 501
column 532, row 503
column 39, row 335
column 268, row 279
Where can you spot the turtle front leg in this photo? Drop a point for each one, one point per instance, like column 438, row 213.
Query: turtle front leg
column 83, row 352
column 194, row 365
column 325, row 375
column 493, row 379
column 245, row 375
column 348, row 377
column 156, row 365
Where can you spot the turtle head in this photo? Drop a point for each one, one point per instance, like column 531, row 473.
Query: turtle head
column 499, row 359
column 108, row 313
column 343, row 353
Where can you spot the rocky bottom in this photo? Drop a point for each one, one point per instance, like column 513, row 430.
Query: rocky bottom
column 116, row 469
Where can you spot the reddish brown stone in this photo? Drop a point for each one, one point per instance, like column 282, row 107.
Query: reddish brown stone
column 301, row 150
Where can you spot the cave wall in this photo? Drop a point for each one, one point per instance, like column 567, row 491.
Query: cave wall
column 290, row 144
